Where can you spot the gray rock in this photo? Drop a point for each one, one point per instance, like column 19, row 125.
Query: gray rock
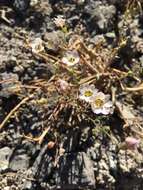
column 101, row 15
column 141, row 60
column 71, row 141
column 110, row 35
column 5, row 154
column 6, row 188
column 8, row 87
column 27, row 185
column 19, row 162
column 43, row 165
column 75, row 170
column 53, row 40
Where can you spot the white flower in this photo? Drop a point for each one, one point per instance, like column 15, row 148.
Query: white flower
column 101, row 104
column 59, row 21
column 37, row 45
column 87, row 92
column 71, row 58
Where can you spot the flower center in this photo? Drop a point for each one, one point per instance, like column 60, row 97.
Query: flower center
column 71, row 59
column 99, row 102
column 38, row 47
column 88, row 93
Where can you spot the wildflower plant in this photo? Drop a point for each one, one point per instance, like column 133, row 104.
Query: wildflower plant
column 71, row 58
column 79, row 73
column 59, row 21
column 75, row 70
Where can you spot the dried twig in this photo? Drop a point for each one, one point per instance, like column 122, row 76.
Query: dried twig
column 3, row 16
column 90, row 66
column 132, row 89
column 13, row 111
column 40, row 138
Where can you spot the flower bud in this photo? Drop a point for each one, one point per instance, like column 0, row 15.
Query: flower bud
column 63, row 85
column 132, row 143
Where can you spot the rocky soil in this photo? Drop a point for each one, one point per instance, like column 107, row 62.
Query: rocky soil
column 73, row 153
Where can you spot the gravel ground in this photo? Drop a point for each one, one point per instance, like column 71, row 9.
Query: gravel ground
column 74, row 154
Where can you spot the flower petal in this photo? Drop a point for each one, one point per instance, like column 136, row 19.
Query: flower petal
column 101, row 95
column 105, row 111
column 97, row 111
column 92, row 87
column 108, row 104
column 83, row 88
